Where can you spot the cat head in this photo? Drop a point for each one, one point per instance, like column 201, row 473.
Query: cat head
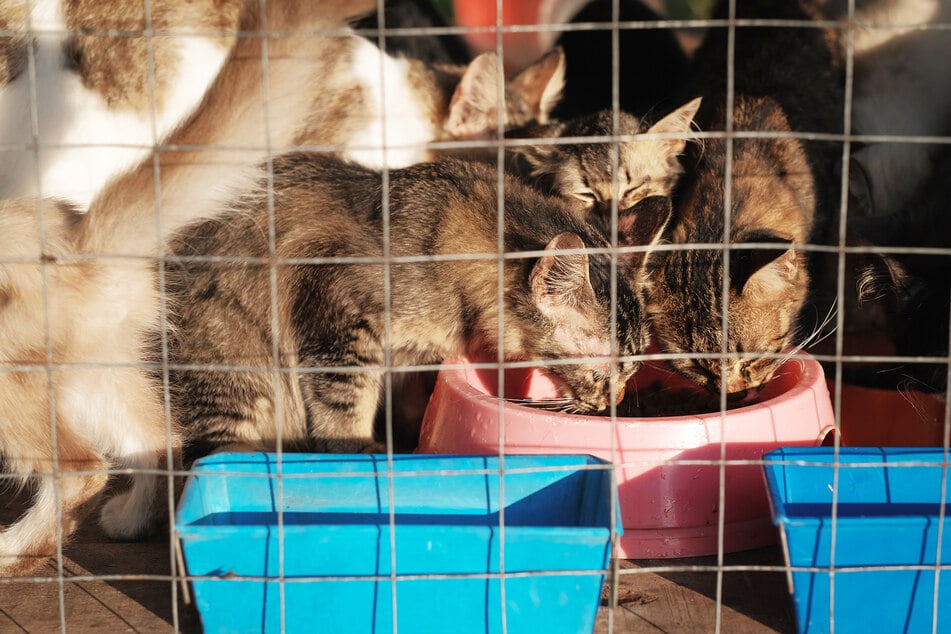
column 765, row 292
column 529, row 96
column 584, row 172
column 772, row 204
column 572, row 316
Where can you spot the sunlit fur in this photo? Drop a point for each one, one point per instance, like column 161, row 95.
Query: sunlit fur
column 783, row 191
column 79, row 289
column 592, row 174
column 772, row 202
column 336, row 321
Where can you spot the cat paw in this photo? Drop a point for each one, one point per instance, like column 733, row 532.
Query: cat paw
column 374, row 447
column 124, row 518
column 352, row 445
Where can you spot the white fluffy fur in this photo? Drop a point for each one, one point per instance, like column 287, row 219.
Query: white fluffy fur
column 90, row 316
column 80, row 322
column 80, row 140
column 400, row 127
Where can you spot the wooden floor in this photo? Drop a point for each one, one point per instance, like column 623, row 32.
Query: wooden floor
column 136, row 593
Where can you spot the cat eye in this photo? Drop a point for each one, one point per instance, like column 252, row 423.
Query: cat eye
column 586, row 196
column 635, row 188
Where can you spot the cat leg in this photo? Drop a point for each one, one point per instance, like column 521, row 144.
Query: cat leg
column 137, row 511
column 62, row 498
column 341, row 409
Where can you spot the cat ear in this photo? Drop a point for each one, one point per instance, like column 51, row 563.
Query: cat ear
column 643, row 225
column 770, row 270
column 680, row 121
column 473, row 110
column 560, row 284
column 539, row 87
column 540, row 158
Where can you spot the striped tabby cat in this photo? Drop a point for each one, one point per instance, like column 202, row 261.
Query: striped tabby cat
column 782, row 191
column 336, row 328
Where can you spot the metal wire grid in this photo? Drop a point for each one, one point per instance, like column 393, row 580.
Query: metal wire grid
column 615, row 573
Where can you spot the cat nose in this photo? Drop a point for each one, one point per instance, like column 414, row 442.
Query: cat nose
column 619, row 394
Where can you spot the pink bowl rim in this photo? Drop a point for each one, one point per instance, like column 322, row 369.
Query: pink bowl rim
column 812, row 377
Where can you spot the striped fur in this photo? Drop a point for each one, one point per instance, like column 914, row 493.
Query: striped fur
column 334, row 324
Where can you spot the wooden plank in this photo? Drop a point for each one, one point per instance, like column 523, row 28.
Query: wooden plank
column 139, row 595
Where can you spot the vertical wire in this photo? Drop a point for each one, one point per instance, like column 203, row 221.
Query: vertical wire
column 942, row 500
column 725, row 295
column 614, row 563
column 500, row 295
column 263, row 34
column 387, row 311
column 47, row 325
column 840, row 292
column 149, row 34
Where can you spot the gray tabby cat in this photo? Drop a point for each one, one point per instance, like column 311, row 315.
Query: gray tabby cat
column 321, row 380
column 585, row 173
column 782, row 193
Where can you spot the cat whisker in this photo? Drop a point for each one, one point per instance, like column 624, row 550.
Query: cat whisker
column 816, row 336
column 905, row 388
column 548, row 404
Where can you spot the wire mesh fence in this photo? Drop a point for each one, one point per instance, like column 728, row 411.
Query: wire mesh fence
column 184, row 269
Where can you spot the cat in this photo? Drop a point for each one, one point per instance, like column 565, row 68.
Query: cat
column 585, row 172
column 898, row 89
column 100, row 101
column 909, row 292
column 95, row 91
column 783, row 191
column 337, row 332
column 94, row 271
column 78, row 294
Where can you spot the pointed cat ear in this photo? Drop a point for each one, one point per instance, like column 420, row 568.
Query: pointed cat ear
column 770, row 270
column 560, row 284
column 680, row 121
column 538, row 87
column 473, row 110
column 642, row 225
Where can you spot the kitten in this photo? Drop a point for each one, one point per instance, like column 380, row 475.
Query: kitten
column 782, row 190
column 585, row 172
column 334, row 323
column 78, row 294
column 94, row 272
column 101, row 101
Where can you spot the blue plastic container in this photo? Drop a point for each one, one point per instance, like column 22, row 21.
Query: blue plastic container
column 336, row 523
column 888, row 515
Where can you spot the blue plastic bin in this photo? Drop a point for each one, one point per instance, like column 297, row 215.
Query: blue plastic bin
column 888, row 512
column 336, row 523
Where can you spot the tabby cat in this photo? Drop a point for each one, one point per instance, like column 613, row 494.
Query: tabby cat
column 585, row 172
column 337, row 331
column 781, row 192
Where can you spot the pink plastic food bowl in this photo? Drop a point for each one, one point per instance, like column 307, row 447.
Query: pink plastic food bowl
column 668, row 467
